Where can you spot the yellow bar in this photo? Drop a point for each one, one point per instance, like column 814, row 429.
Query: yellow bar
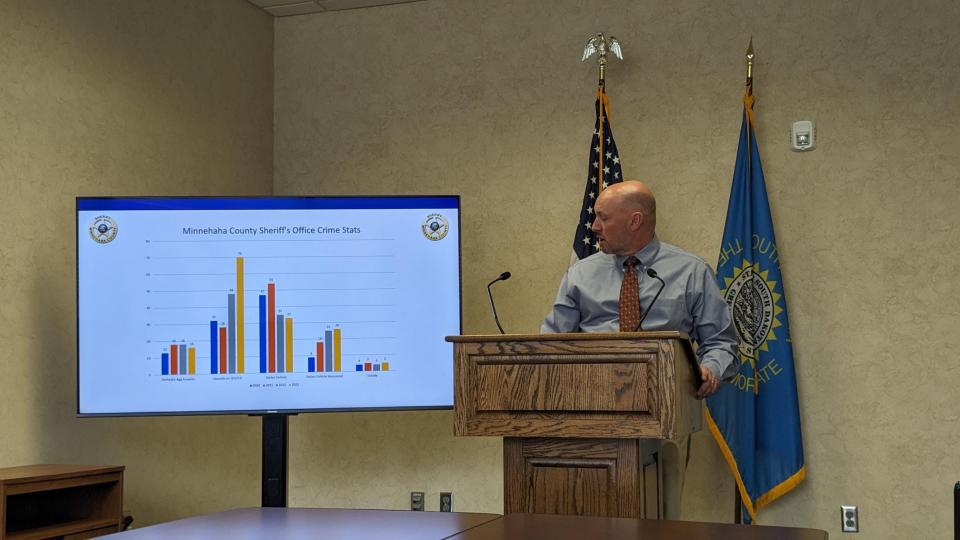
column 336, row 349
column 288, row 350
column 192, row 360
column 384, row 366
column 239, row 314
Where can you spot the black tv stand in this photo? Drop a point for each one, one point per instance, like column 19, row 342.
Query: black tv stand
column 274, row 464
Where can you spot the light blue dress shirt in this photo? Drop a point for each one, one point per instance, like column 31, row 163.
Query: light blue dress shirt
column 690, row 302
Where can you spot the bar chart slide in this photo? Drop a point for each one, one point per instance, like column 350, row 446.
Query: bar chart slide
column 224, row 309
column 270, row 333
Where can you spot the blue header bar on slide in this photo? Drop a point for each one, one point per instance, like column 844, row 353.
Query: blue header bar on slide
column 264, row 203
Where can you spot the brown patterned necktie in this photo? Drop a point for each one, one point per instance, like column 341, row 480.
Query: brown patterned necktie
column 629, row 297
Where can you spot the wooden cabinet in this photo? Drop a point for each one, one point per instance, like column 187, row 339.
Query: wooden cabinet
column 60, row 501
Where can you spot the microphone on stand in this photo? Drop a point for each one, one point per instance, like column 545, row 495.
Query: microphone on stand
column 652, row 273
column 502, row 277
column 694, row 365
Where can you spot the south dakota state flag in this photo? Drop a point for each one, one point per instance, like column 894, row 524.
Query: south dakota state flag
column 755, row 418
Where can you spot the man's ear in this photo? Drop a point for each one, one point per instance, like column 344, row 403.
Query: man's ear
column 636, row 220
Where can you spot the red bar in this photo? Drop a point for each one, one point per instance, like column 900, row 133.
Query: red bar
column 367, row 366
column 320, row 356
column 272, row 328
column 173, row 360
column 223, row 349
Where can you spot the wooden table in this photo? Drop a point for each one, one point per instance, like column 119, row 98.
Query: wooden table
column 559, row 527
column 325, row 523
column 332, row 524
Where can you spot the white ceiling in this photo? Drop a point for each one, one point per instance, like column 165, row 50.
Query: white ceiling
column 285, row 8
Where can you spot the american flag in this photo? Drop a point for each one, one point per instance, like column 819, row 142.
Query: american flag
column 603, row 169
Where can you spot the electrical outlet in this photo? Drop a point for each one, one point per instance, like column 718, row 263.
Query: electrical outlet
column 446, row 501
column 849, row 519
column 416, row 501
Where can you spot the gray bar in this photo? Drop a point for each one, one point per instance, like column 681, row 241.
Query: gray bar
column 376, row 367
column 328, row 350
column 231, row 333
column 183, row 359
column 281, row 359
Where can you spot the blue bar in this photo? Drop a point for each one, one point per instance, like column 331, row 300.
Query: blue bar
column 281, row 360
column 263, row 333
column 328, row 351
column 183, row 359
column 359, row 367
column 260, row 203
column 376, row 367
column 311, row 364
column 231, row 333
column 214, row 353
column 164, row 363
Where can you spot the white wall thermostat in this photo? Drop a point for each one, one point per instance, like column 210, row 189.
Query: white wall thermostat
column 803, row 136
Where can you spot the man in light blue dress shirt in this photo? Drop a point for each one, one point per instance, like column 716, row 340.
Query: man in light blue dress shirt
column 589, row 295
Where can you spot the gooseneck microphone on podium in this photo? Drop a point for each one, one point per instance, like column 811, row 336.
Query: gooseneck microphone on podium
column 652, row 273
column 502, row 277
column 694, row 365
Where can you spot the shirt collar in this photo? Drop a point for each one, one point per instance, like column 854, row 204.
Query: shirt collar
column 646, row 255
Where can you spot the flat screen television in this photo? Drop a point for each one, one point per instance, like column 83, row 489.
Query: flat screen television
column 259, row 305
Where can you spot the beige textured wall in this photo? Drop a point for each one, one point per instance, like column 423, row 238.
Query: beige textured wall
column 124, row 97
column 488, row 99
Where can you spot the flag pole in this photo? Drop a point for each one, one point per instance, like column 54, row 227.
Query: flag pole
column 737, row 501
column 601, row 93
column 601, row 45
column 601, row 90
column 748, row 101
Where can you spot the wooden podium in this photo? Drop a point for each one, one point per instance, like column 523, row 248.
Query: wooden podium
column 580, row 414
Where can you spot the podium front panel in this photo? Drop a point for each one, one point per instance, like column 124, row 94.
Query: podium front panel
column 575, row 385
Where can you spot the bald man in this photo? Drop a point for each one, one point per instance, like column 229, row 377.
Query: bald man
column 589, row 297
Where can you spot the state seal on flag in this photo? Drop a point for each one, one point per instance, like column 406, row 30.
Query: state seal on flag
column 103, row 229
column 754, row 306
column 435, row 227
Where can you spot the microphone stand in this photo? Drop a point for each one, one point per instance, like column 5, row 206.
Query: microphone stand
column 502, row 277
column 652, row 273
